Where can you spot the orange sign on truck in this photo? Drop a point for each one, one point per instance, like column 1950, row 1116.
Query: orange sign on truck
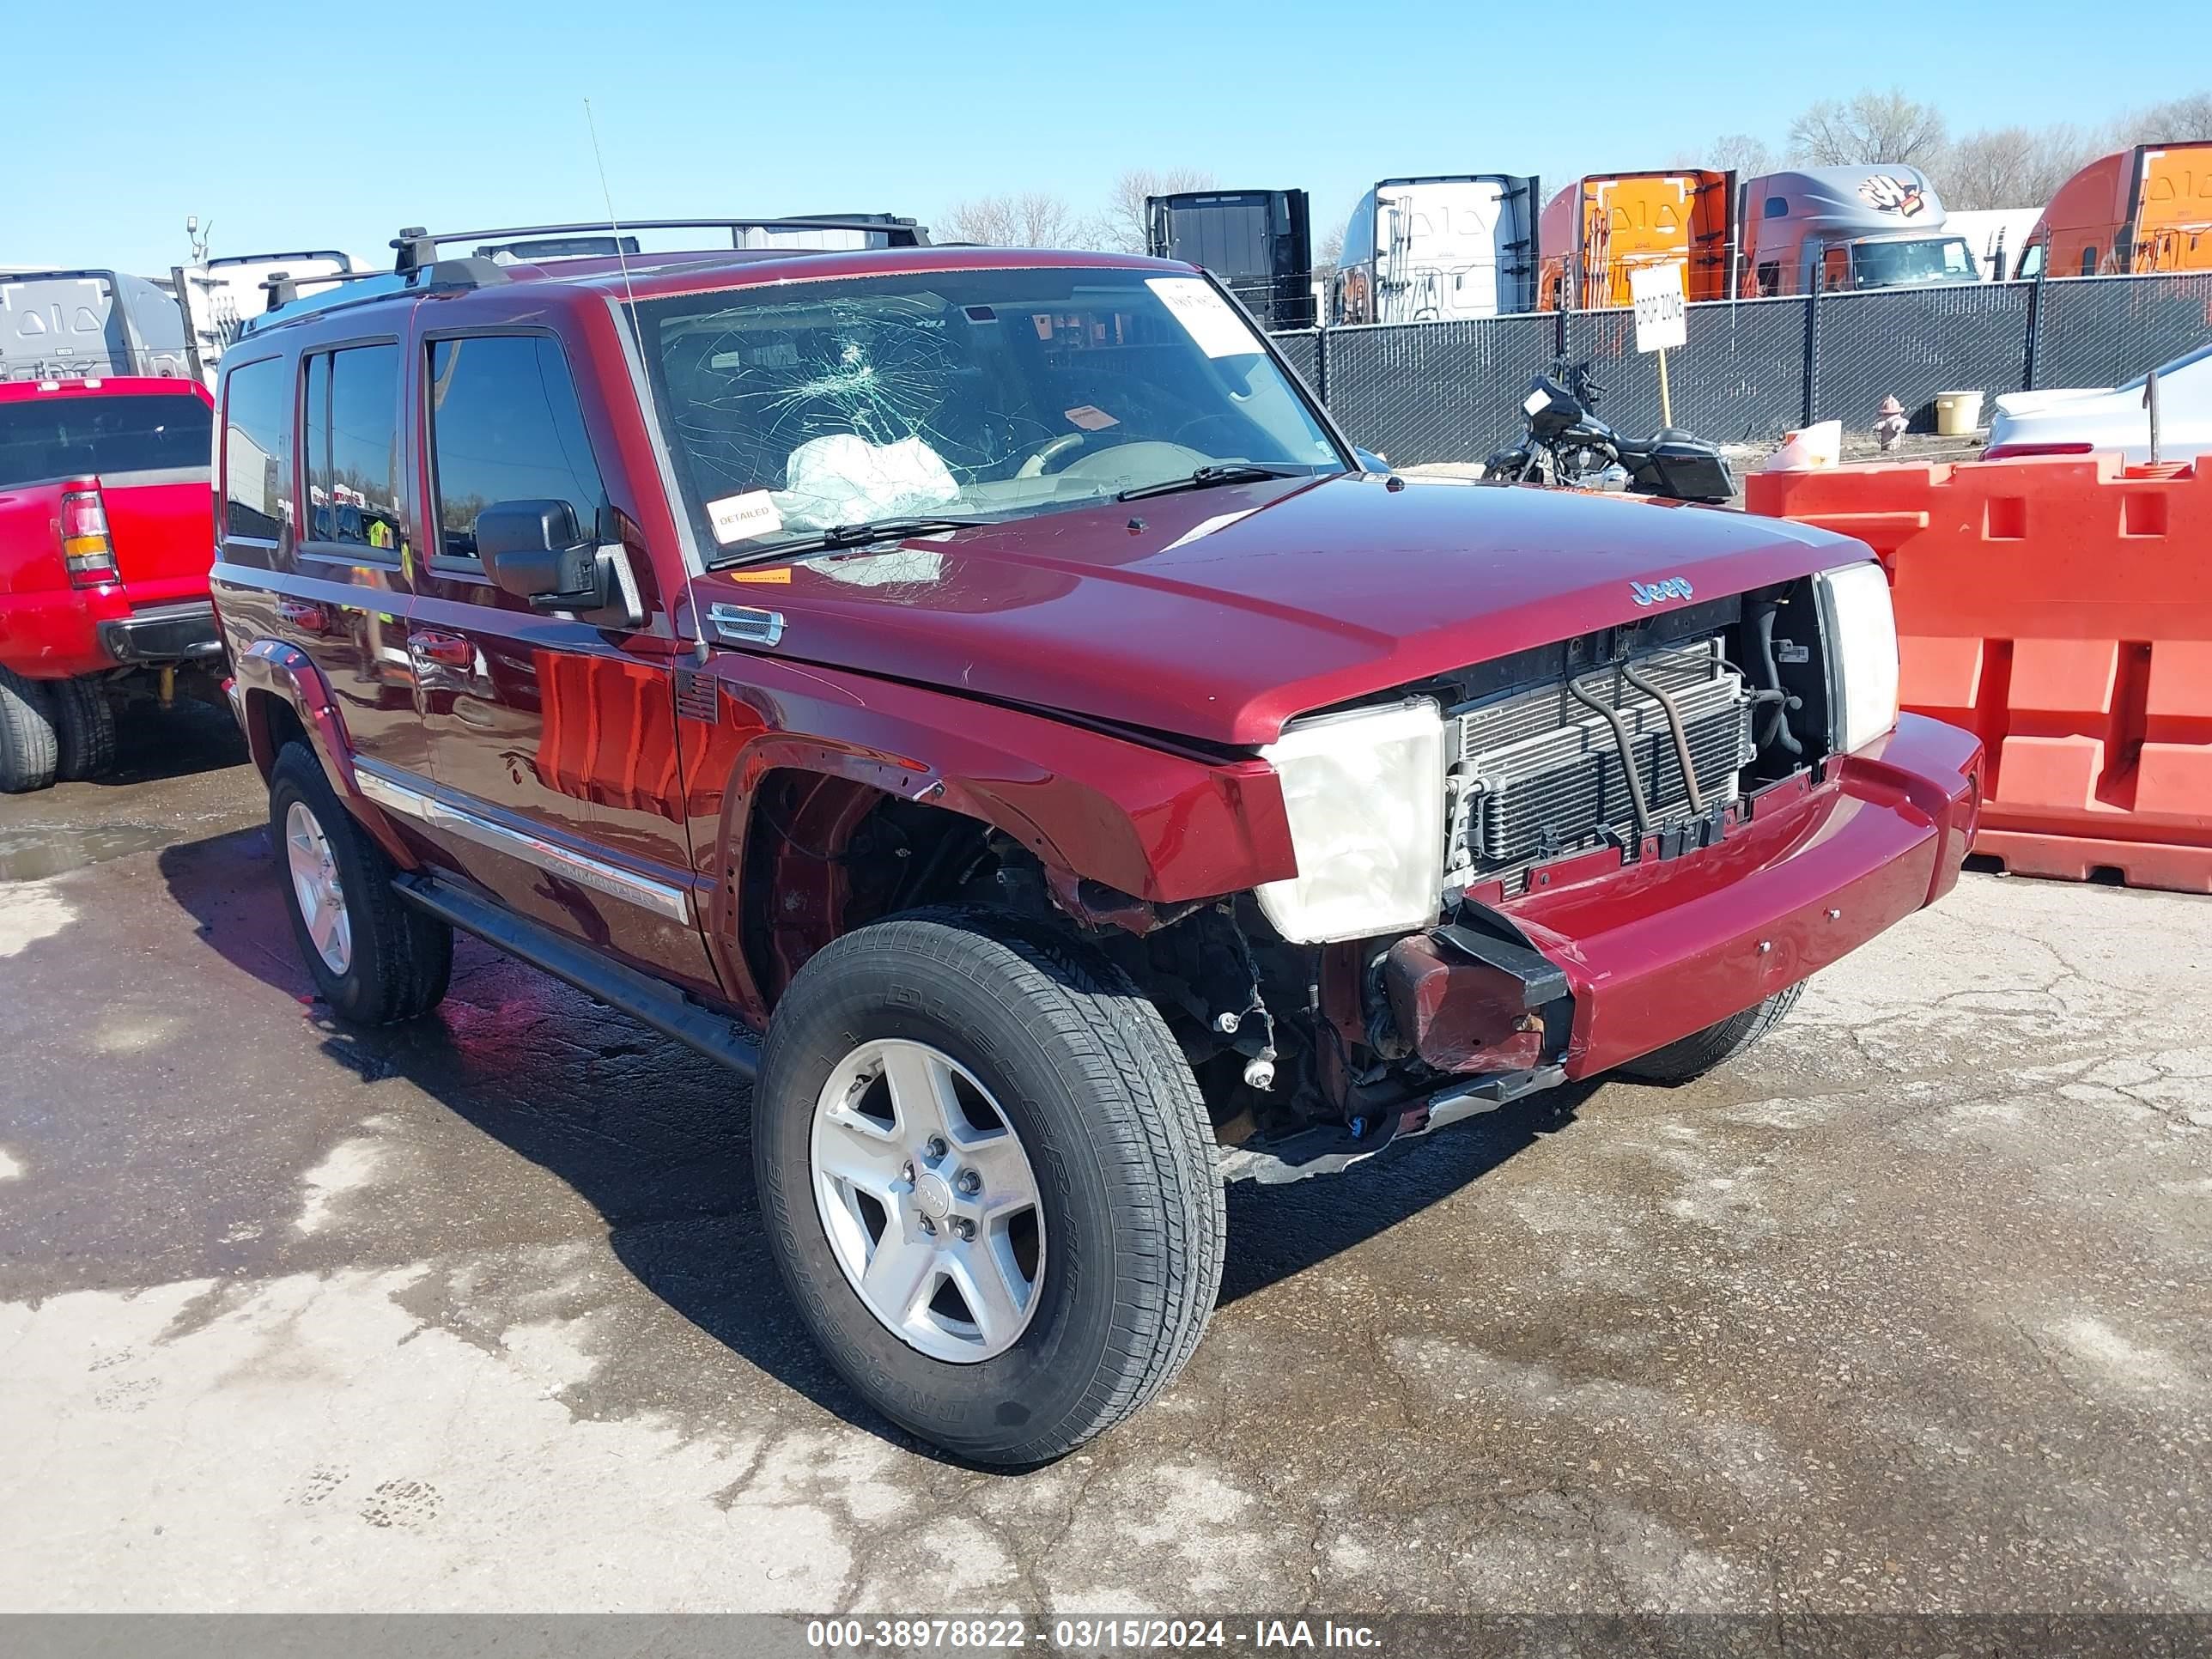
column 2140, row 209
column 1605, row 226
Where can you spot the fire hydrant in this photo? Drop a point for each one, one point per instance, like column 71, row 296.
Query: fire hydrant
column 1891, row 427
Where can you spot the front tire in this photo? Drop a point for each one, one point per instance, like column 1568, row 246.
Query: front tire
column 374, row 959
column 1692, row 1056
column 1032, row 1059
column 28, row 753
column 84, row 725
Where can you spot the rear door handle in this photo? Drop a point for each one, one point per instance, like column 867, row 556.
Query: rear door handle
column 442, row 650
column 304, row 615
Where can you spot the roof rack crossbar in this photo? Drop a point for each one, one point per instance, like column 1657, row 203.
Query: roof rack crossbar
column 886, row 224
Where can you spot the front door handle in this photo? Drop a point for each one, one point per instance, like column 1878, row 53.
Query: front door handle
column 304, row 615
column 442, row 650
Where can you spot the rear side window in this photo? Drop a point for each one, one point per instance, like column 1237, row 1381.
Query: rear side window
column 255, row 412
column 351, row 435
column 505, row 425
column 66, row 434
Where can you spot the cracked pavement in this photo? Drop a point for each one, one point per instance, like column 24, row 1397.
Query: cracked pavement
column 1904, row 1312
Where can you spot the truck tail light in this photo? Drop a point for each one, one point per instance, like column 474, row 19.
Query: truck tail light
column 86, row 550
column 2009, row 452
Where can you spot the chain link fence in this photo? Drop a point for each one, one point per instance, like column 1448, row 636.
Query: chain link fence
column 1752, row 369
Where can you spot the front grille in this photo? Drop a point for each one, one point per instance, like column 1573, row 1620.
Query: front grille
column 1538, row 772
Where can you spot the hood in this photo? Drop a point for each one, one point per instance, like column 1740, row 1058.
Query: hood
column 1218, row 613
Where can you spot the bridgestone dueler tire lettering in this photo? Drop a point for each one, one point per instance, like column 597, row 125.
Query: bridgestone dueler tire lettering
column 29, row 752
column 403, row 960
column 1701, row 1052
column 1114, row 1126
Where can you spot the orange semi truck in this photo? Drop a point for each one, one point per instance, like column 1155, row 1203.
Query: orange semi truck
column 1606, row 225
column 2145, row 209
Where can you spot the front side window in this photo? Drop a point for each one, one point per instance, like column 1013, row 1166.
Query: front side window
column 256, row 413
column 69, row 435
column 998, row 394
column 505, row 425
column 350, row 431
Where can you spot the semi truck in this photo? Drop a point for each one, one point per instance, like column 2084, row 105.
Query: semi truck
column 1603, row 227
column 75, row 324
column 1811, row 229
column 2146, row 208
column 1439, row 248
column 1258, row 242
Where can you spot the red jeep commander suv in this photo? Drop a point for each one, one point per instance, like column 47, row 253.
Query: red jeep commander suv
column 103, row 563
column 981, row 698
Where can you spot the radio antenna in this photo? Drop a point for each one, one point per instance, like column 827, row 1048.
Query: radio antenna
column 629, row 295
column 613, row 224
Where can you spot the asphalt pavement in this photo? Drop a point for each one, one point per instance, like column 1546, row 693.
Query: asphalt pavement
column 1907, row 1311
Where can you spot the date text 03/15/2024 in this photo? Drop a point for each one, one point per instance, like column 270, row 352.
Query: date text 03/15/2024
column 1085, row 1635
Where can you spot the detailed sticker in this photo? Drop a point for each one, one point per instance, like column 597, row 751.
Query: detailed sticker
column 741, row 518
column 1204, row 316
column 776, row 575
column 1091, row 418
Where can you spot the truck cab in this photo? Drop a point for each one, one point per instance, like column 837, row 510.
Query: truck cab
column 1825, row 228
column 1600, row 228
column 1439, row 248
column 2144, row 209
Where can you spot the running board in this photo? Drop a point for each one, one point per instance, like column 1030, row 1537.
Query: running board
column 643, row 997
column 1331, row 1150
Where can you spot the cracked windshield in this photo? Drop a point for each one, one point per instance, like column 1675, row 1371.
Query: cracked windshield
column 798, row 410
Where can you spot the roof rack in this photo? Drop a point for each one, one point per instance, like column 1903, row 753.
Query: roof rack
column 417, row 247
column 286, row 306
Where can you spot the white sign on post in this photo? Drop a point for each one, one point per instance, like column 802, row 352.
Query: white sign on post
column 1657, row 292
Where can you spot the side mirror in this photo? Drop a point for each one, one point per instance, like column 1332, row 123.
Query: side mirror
column 536, row 551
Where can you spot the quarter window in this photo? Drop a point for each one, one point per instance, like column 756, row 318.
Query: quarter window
column 352, row 440
column 254, row 410
column 505, row 425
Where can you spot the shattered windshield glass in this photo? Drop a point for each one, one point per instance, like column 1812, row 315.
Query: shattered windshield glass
column 795, row 409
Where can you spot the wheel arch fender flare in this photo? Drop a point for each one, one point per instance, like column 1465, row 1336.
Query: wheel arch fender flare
column 271, row 672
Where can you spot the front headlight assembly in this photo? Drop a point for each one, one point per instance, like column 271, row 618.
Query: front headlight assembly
column 1860, row 626
column 1364, row 792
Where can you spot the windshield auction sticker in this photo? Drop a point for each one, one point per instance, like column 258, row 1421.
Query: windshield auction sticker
column 741, row 518
column 1204, row 316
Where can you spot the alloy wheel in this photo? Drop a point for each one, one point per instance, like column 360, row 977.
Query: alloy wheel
column 930, row 1203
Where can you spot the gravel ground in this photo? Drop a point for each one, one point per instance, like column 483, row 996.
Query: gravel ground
column 1906, row 1312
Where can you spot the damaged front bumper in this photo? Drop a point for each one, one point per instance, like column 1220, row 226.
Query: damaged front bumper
column 1617, row 960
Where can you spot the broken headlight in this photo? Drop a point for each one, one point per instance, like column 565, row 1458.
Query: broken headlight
column 1861, row 635
column 1365, row 793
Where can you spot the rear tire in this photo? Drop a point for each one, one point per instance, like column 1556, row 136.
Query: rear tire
column 375, row 959
column 84, row 725
column 1692, row 1056
column 28, row 751
column 1105, row 1117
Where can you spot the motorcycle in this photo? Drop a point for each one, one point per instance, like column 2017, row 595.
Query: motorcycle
column 1566, row 443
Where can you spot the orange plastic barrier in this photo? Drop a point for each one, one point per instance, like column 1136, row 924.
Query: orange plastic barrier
column 2062, row 609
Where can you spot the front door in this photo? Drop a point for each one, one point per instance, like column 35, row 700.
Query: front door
column 552, row 742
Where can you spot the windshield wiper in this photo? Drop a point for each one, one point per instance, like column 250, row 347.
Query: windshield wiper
column 1225, row 472
column 844, row 536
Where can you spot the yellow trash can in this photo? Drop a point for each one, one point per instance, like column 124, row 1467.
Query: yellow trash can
column 1958, row 413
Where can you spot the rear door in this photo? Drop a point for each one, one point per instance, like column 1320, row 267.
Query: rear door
column 552, row 742
column 334, row 587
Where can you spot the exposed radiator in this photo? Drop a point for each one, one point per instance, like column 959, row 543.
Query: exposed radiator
column 1538, row 772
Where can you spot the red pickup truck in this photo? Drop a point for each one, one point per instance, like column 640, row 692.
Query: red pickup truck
column 993, row 679
column 105, row 524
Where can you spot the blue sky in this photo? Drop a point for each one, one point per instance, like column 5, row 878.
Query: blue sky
column 301, row 127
